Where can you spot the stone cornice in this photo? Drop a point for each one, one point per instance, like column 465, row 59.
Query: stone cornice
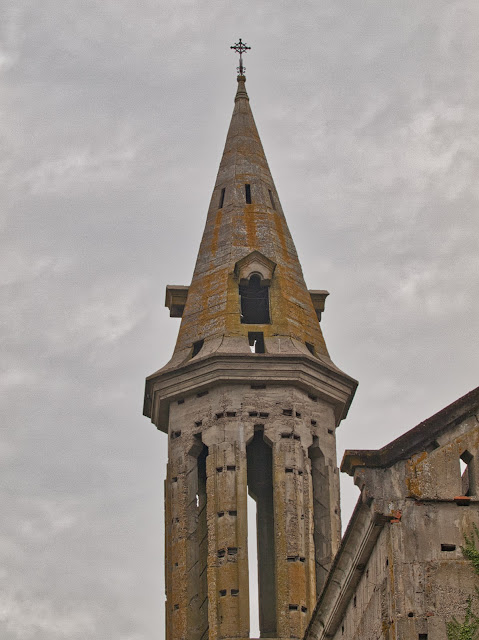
column 305, row 372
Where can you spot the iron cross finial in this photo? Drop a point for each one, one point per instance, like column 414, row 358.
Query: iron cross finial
column 240, row 48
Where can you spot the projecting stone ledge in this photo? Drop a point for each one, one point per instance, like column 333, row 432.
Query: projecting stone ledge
column 175, row 298
column 327, row 382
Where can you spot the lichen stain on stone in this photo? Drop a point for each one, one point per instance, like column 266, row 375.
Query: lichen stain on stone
column 414, row 472
column 216, row 230
column 250, row 224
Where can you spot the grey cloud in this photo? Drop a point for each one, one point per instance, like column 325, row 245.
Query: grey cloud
column 113, row 120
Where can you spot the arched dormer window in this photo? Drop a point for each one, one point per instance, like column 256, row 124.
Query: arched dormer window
column 254, row 301
column 254, row 273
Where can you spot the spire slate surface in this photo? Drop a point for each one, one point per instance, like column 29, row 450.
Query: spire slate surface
column 234, row 229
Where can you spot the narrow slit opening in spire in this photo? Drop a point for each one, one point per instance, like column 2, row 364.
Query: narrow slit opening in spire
column 247, row 189
column 222, row 198
column 256, row 342
column 273, row 204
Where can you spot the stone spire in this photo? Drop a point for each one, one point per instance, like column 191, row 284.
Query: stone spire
column 246, row 233
column 250, row 401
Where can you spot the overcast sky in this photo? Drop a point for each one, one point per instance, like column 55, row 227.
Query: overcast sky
column 113, row 118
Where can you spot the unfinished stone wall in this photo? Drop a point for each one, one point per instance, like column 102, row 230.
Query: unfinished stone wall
column 400, row 573
column 223, row 442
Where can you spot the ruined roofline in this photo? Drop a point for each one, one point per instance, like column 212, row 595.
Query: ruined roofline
column 417, row 438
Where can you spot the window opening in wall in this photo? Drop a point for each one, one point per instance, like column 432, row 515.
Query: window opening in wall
column 247, row 190
column 466, row 464
column 272, row 199
column 222, row 198
column 197, row 346
column 256, row 342
column 202, row 538
column 448, row 547
column 260, row 489
column 254, row 302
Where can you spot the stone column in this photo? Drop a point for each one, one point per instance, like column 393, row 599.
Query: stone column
column 294, row 561
column 228, row 588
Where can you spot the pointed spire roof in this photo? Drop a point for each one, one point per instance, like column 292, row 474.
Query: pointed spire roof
column 245, row 217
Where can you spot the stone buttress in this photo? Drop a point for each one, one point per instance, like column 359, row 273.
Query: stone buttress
column 250, row 401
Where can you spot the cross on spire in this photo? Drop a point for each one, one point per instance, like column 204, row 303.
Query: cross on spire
column 240, row 47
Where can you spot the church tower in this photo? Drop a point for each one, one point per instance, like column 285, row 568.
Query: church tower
column 250, row 402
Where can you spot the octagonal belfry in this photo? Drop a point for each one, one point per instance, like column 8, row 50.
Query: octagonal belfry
column 250, row 402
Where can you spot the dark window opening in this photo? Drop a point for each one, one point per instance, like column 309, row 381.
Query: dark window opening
column 175, row 434
column 222, row 198
column 313, row 398
column 287, row 412
column 448, row 547
column 231, row 467
column 467, row 474
column 201, row 539
column 272, row 199
column 221, row 553
column 254, row 302
column 313, row 423
column 222, row 592
column 253, row 414
column 247, row 190
column 310, row 348
column 221, row 514
column 197, row 346
column 256, row 342
column 232, row 551
column 330, row 431
column 230, row 414
column 293, row 607
column 422, row 636
column 232, row 513
column 304, row 609
column 263, row 414
column 410, row 614
column 201, row 394
column 234, row 592
column 260, row 488
column 181, row 401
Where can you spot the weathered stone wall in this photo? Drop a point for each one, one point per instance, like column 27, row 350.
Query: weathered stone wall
column 223, row 422
column 413, row 578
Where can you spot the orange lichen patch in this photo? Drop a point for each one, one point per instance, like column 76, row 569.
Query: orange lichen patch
column 216, row 230
column 250, row 224
column 414, row 472
column 280, row 234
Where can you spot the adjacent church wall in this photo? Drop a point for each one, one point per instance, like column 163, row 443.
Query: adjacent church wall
column 415, row 577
